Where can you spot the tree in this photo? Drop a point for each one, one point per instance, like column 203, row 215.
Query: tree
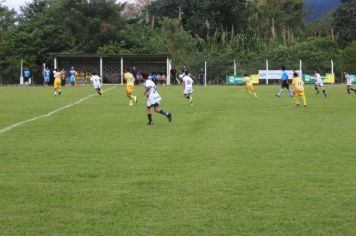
column 345, row 22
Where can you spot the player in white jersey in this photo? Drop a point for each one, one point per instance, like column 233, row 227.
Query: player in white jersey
column 96, row 82
column 348, row 82
column 319, row 83
column 188, row 87
column 153, row 99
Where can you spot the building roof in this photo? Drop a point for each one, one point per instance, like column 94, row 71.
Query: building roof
column 151, row 57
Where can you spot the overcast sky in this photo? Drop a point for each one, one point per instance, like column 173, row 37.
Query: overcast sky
column 17, row 3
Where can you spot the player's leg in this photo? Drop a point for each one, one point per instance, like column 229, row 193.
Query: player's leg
column 59, row 89
column 252, row 90
column 165, row 113
column 190, row 98
column 281, row 90
column 354, row 90
column 324, row 91
column 348, row 89
column 304, row 100
column 296, row 99
column 149, row 115
column 317, row 89
column 289, row 90
column 99, row 91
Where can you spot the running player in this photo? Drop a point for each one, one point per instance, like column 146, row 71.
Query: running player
column 187, row 82
column 153, row 99
column 130, row 84
column 284, row 79
column 319, row 83
column 72, row 76
column 57, row 82
column 298, row 87
column 348, row 82
column 96, row 82
column 249, row 85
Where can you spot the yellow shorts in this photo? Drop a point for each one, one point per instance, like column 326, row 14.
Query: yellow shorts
column 129, row 89
column 298, row 93
column 249, row 88
column 57, row 84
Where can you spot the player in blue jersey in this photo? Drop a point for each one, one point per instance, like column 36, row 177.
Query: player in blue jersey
column 284, row 79
column 72, row 76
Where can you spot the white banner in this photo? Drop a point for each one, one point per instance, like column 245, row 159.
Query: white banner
column 274, row 74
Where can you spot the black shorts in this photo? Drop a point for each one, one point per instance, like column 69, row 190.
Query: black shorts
column 285, row 84
column 26, row 79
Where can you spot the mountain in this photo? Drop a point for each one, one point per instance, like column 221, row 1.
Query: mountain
column 316, row 8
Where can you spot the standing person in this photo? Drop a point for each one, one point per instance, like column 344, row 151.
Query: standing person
column 63, row 77
column 319, row 83
column 173, row 75
column 27, row 76
column 46, row 75
column 201, row 76
column 134, row 73
column 130, row 84
column 298, row 87
column 249, row 85
column 187, row 82
column 348, row 82
column 57, row 82
column 153, row 99
column 284, row 79
column 72, row 76
column 96, row 82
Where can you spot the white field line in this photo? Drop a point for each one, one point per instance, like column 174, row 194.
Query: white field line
column 3, row 130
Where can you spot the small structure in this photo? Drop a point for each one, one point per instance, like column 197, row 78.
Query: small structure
column 111, row 67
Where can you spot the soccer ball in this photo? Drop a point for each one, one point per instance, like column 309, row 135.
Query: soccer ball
column 181, row 76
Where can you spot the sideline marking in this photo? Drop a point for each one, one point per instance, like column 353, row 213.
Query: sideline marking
column 3, row 130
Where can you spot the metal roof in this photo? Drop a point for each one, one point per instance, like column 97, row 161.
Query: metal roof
column 155, row 57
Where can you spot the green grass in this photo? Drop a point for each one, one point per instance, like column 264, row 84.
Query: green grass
column 229, row 165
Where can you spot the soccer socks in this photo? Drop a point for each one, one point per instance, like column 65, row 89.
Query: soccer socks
column 296, row 101
column 304, row 100
column 280, row 92
column 317, row 90
column 354, row 90
column 255, row 94
column 290, row 92
column 164, row 112
column 324, row 92
column 149, row 119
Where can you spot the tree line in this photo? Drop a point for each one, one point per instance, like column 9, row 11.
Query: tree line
column 190, row 31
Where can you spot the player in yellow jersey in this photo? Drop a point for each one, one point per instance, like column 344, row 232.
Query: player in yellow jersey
column 298, row 88
column 249, row 85
column 57, row 82
column 130, row 84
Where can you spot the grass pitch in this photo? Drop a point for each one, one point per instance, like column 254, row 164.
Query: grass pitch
column 228, row 165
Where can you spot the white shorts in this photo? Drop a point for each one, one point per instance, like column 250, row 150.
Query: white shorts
column 320, row 84
column 155, row 99
column 97, row 86
column 188, row 91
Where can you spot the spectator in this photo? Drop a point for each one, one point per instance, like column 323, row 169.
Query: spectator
column 164, row 79
column 63, row 77
column 27, row 76
column 46, row 75
column 134, row 73
column 173, row 75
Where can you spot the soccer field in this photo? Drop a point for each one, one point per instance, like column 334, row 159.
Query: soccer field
column 229, row 165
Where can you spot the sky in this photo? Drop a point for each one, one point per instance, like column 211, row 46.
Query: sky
column 17, row 3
